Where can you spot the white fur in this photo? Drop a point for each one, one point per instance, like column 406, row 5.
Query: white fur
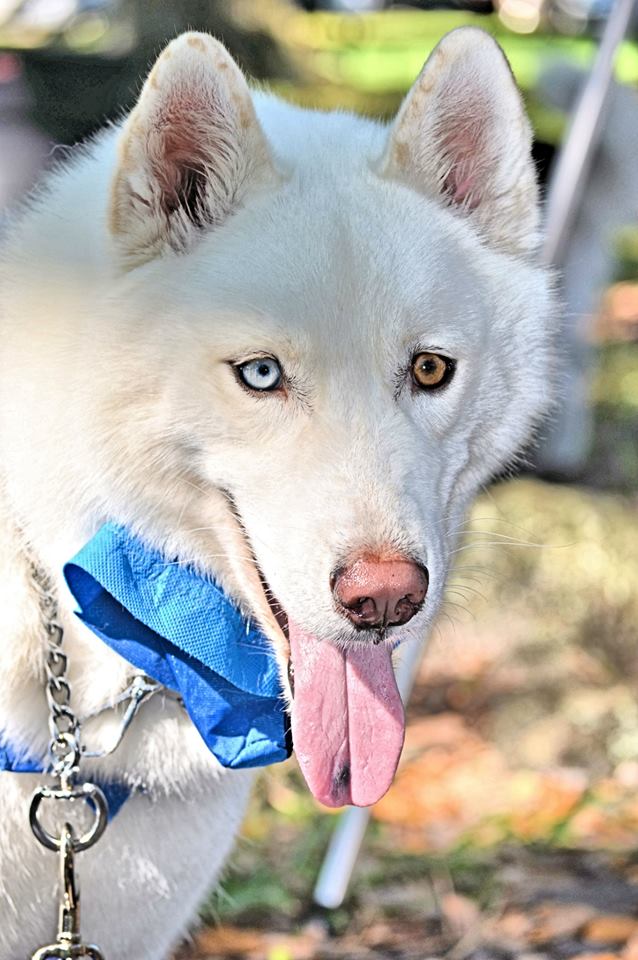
column 314, row 239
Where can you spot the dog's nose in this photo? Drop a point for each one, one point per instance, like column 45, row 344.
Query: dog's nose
column 380, row 593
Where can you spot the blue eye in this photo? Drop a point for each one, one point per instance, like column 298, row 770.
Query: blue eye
column 263, row 374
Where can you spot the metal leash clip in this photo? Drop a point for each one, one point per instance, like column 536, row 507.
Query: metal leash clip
column 68, row 945
column 64, row 760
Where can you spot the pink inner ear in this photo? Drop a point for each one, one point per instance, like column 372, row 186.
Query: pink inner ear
column 179, row 168
column 464, row 140
column 461, row 183
column 193, row 146
column 461, row 191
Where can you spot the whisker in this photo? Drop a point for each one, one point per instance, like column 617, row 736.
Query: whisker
column 457, row 588
column 450, row 620
column 458, row 606
column 503, row 537
column 193, row 561
column 513, row 543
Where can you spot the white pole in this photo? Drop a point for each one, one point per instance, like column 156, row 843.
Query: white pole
column 583, row 135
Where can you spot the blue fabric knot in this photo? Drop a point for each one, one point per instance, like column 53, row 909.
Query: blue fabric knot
column 181, row 629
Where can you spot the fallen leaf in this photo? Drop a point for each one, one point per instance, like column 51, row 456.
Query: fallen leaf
column 376, row 935
column 596, row 956
column 610, row 929
column 232, row 941
column 512, row 928
column 460, row 913
column 631, row 948
column 554, row 921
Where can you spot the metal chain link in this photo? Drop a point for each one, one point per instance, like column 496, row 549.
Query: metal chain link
column 64, row 726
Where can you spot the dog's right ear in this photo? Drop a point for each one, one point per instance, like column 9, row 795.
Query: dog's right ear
column 462, row 136
column 188, row 153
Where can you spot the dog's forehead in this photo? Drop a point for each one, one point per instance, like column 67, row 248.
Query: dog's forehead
column 358, row 256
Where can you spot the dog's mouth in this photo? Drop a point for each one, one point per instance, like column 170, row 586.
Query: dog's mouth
column 347, row 716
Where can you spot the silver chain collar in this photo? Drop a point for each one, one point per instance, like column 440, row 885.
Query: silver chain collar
column 64, row 727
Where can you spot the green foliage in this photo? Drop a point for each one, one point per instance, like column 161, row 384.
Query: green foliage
column 627, row 253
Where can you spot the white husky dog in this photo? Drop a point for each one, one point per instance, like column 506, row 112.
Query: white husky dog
column 286, row 347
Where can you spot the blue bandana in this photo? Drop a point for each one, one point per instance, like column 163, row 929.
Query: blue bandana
column 180, row 629
column 183, row 631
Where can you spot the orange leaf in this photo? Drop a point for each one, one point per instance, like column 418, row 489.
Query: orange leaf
column 610, row 929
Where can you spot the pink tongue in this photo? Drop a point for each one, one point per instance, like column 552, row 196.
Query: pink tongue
column 347, row 719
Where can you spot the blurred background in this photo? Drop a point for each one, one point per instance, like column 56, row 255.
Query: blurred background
column 511, row 830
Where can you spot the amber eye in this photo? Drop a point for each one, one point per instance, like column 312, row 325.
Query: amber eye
column 431, row 370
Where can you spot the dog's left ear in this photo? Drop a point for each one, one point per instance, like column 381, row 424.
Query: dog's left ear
column 189, row 152
column 462, row 135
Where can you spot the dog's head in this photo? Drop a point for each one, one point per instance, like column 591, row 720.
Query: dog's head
column 335, row 332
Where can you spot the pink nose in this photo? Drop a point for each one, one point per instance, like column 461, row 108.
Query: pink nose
column 380, row 593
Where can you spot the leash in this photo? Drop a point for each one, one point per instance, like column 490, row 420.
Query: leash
column 64, row 763
column 64, row 755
